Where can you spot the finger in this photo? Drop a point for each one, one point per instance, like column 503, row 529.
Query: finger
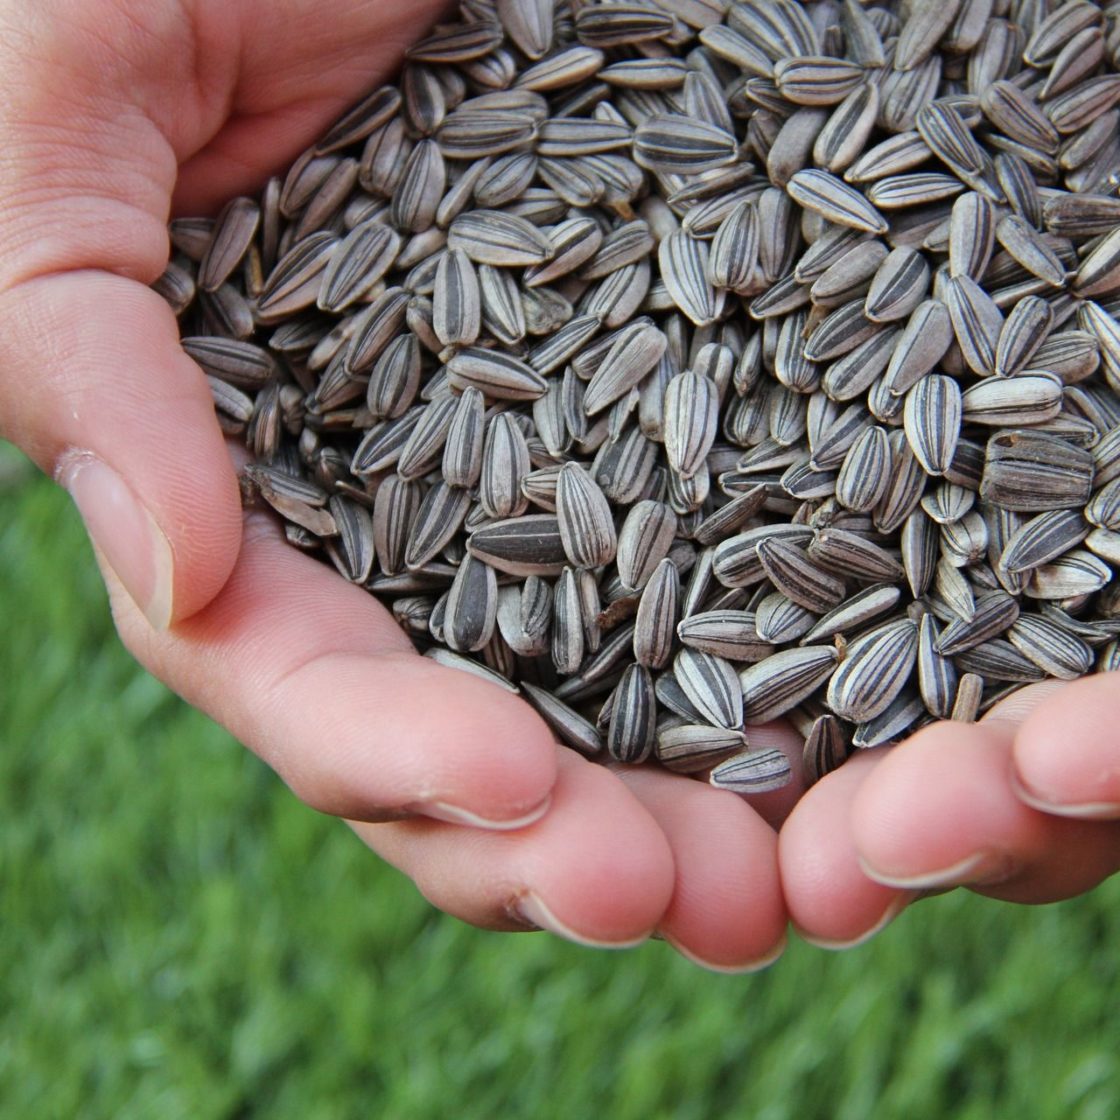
column 289, row 80
column 314, row 675
column 941, row 811
column 596, row 869
column 1067, row 751
column 95, row 387
column 726, row 911
column 831, row 900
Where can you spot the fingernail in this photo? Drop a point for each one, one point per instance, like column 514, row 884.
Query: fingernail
column 123, row 532
column 530, row 908
column 454, row 814
column 894, row 908
column 1055, row 806
column 978, row 869
column 756, row 965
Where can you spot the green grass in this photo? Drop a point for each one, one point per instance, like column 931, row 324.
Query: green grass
column 180, row 938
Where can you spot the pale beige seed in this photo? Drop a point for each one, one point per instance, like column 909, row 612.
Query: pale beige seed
column 684, row 263
column 499, row 376
column 780, row 620
column 294, row 284
column 865, row 475
column 900, row 284
column 633, row 720
column 585, row 520
column 498, row 238
column 1076, row 573
column 977, row 322
column 966, row 705
column 676, row 144
column 875, row 669
column 690, row 748
column 644, row 541
column 656, row 619
column 423, row 450
column 816, row 80
column 835, row 201
column 845, row 134
column 438, row 520
column 792, row 572
column 753, row 772
column 1054, row 650
column 233, row 233
column 1024, row 331
column 575, row 731
column 1026, row 245
column 1031, row 472
column 395, row 379
column 734, row 249
column 792, row 149
column 357, row 264
column 505, row 464
column 1016, row 115
column 472, row 605
column 782, row 681
column 520, row 546
column 1099, row 272
column 691, row 421
column 421, row 186
column 1030, row 398
column 567, row 643
column 712, row 686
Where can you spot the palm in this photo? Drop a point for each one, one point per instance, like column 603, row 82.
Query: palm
column 190, row 106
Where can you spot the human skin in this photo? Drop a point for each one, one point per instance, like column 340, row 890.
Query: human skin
column 116, row 114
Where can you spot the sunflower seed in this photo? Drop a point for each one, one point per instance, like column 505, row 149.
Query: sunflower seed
column 753, row 772
column 690, row 748
column 780, row 682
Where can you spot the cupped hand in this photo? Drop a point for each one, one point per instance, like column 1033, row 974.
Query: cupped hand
column 115, row 114
column 1022, row 806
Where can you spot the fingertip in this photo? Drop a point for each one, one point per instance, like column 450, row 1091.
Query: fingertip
column 831, row 900
column 1066, row 754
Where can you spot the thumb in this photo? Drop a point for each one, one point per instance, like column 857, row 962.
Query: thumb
column 96, row 389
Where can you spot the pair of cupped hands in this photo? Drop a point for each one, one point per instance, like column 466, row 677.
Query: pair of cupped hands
column 115, row 114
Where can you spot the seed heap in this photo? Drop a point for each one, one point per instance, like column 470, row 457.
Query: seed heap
column 688, row 364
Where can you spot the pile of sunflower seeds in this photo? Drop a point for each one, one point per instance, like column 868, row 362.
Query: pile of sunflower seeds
column 688, row 364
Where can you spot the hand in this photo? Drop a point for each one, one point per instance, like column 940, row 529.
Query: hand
column 1022, row 806
column 114, row 114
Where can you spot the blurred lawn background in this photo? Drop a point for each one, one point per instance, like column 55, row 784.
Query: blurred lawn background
column 180, row 938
